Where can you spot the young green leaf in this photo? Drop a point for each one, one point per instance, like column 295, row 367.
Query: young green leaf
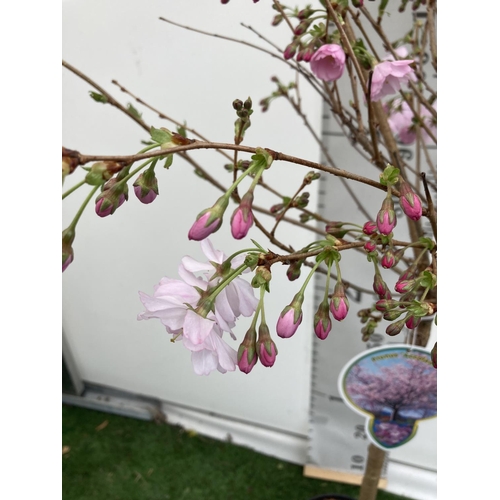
column 98, row 97
column 134, row 111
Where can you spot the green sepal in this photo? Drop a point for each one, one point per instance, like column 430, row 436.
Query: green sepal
column 261, row 159
column 168, row 161
column 390, row 176
column 160, row 136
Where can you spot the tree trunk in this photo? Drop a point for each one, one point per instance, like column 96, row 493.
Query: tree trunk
column 373, row 471
column 376, row 456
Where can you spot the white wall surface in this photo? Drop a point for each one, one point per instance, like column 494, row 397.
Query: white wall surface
column 195, row 78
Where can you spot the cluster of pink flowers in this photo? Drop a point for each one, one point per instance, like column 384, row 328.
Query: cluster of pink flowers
column 390, row 433
column 402, row 122
column 176, row 303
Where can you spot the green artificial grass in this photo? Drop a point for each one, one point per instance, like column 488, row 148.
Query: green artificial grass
column 111, row 457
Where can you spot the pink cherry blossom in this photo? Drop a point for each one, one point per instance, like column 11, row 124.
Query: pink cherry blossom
column 236, row 299
column 388, row 76
column 212, row 354
column 402, row 123
column 328, row 62
column 176, row 304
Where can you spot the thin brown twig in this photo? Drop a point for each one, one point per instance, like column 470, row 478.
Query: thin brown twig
column 109, row 97
column 277, row 156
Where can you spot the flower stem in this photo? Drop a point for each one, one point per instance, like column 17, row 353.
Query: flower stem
column 74, row 188
column 75, row 220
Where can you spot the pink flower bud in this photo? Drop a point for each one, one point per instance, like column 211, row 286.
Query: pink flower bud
column 328, row 62
column 388, row 260
column 208, row 221
column 242, row 218
column 370, row 246
column 266, row 348
column 146, row 187
column 302, row 27
column 386, row 218
column 403, row 286
column 246, row 360
column 412, row 322
column 409, row 201
column 68, row 261
column 339, row 304
column 113, row 195
column 247, row 354
column 287, row 325
column 68, row 236
column 370, row 228
column 290, row 318
column 380, row 288
column 322, row 321
column 202, row 228
column 290, row 51
column 307, row 54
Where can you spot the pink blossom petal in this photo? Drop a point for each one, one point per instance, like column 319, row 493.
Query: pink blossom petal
column 204, row 362
column 196, row 328
column 210, row 253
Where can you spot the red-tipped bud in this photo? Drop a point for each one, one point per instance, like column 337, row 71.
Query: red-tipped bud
column 409, row 201
column 386, row 218
column 290, row 50
column 266, row 348
column 388, row 259
column 302, row 27
column 370, row 246
column 247, row 353
column 339, row 304
column 146, row 187
column 68, row 236
column 242, row 218
column 322, row 321
column 290, row 318
column 380, row 288
column 370, row 228
column 307, row 53
column 357, row 3
column 113, row 195
column 208, row 221
column 403, row 286
column 412, row 322
column 395, row 328
column 293, row 271
column 305, row 13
